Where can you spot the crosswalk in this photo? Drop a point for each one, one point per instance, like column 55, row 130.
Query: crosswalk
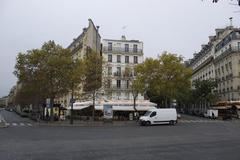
column 19, row 124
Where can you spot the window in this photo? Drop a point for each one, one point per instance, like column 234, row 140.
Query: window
column 109, row 84
column 118, row 83
column 153, row 114
column 238, row 46
column 110, row 46
column 126, row 47
column 119, row 58
column 127, row 95
column 118, row 95
column 109, row 70
column 230, row 65
column 135, row 48
column 135, row 59
column 134, row 73
column 226, row 66
column 126, row 59
column 118, row 71
column 127, row 84
column 109, row 58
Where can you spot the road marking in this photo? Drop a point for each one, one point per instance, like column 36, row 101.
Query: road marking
column 7, row 124
column 14, row 124
column 29, row 124
column 22, row 124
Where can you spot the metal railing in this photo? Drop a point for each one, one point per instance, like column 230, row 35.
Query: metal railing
column 116, row 87
column 122, row 50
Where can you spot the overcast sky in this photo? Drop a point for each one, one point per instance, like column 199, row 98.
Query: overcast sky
column 177, row 26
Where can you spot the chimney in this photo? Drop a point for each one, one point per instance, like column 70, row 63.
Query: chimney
column 219, row 31
column 123, row 38
column 203, row 45
column 211, row 38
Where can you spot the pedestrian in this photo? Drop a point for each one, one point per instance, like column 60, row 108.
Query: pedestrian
column 213, row 116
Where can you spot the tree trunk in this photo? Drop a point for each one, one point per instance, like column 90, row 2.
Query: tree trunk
column 93, row 109
column 134, row 106
column 166, row 102
column 71, row 118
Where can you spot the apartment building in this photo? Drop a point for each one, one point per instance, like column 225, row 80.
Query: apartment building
column 88, row 39
column 220, row 59
column 120, row 58
column 227, row 64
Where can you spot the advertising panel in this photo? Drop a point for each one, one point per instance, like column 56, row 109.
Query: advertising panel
column 107, row 111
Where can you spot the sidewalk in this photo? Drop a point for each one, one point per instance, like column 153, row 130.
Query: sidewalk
column 78, row 123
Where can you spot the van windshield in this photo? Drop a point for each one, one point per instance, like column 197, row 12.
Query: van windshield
column 147, row 113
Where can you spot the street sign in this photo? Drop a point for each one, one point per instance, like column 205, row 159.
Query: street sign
column 107, row 112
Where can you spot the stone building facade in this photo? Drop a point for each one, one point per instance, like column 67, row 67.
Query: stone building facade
column 120, row 58
column 220, row 60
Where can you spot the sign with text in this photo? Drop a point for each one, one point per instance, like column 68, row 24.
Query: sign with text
column 107, row 111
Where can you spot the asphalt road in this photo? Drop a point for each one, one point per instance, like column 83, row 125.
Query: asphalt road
column 186, row 141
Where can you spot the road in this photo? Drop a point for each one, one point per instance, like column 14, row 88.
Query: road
column 15, row 120
column 193, row 140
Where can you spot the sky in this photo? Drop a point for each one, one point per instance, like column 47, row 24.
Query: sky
column 176, row 26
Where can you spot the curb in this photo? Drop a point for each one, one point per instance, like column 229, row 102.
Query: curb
column 87, row 125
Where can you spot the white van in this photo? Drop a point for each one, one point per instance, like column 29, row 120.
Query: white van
column 211, row 113
column 159, row 116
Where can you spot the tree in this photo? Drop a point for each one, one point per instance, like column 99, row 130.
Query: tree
column 44, row 71
column 204, row 90
column 76, row 77
column 93, row 75
column 136, row 84
column 165, row 76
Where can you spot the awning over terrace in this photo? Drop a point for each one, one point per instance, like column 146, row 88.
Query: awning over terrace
column 118, row 105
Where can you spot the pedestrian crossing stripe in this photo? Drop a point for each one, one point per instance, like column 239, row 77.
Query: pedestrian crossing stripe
column 18, row 124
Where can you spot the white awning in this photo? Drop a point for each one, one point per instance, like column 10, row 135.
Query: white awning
column 126, row 105
column 221, row 107
column 237, row 106
column 126, row 108
column 80, row 105
column 119, row 105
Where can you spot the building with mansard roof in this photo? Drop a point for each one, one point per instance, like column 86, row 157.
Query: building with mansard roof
column 220, row 59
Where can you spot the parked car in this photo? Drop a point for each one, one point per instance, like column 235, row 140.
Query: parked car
column 159, row 116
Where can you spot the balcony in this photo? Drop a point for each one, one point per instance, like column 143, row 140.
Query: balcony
column 117, row 74
column 228, row 51
column 123, row 75
column 121, row 87
column 120, row 50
